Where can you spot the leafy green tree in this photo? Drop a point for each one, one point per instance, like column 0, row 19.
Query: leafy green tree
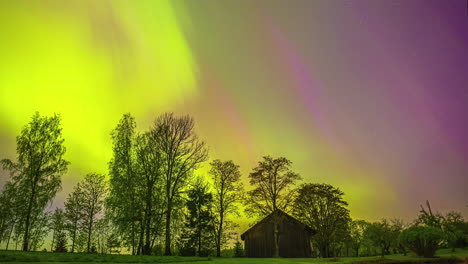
column 11, row 211
column 38, row 167
column 61, row 241
column 199, row 226
column 455, row 229
column 239, row 249
column 150, row 163
column 39, row 230
column 422, row 240
column 74, row 213
column 428, row 218
column 356, row 230
column 322, row 207
column 272, row 180
column 124, row 203
column 182, row 152
column 57, row 225
column 384, row 235
column 93, row 191
column 452, row 224
column 227, row 193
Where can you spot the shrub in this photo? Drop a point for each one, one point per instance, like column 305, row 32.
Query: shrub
column 238, row 249
column 61, row 245
column 422, row 240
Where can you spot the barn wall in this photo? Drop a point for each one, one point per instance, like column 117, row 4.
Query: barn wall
column 294, row 239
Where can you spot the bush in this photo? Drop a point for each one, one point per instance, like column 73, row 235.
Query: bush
column 61, row 245
column 422, row 240
column 238, row 249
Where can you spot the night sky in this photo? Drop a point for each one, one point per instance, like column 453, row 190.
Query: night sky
column 369, row 96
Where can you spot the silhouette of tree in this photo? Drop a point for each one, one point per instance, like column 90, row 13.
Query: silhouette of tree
column 182, row 152
column 57, row 225
column 93, row 190
column 384, row 235
column 124, row 202
column 272, row 180
column 12, row 207
column 61, row 244
column 228, row 191
column 321, row 206
column 39, row 164
column 356, row 230
column 74, row 213
column 199, row 226
column 238, row 249
column 150, row 167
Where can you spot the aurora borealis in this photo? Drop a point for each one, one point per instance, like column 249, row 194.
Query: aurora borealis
column 370, row 96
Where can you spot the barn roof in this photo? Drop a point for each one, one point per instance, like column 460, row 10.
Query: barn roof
column 278, row 211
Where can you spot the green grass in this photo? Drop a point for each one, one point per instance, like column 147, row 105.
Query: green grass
column 15, row 257
column 18, row 256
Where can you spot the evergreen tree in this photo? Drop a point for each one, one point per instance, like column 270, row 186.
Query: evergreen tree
column 199, row 225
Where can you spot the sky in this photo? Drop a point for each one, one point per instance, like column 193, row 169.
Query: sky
column 369, row 96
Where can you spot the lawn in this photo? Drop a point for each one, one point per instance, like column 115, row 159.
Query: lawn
column 443, row 256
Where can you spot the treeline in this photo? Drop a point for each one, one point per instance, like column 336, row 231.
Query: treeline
column 154, row 203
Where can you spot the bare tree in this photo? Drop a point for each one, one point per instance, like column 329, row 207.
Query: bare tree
column 228, row 191
column 182, row 152
column 272, row 180
column 36, row 173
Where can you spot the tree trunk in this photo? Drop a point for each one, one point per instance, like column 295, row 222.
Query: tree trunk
column 167, row 251
column 90, row 228
column 52, row 244
column 133, row 237
column 219, row 236
column 9, row 236
column 140, row 240
column 147, row 246
column 28, row 220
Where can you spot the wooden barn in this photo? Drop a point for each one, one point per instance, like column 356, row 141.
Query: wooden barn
column 294, row 237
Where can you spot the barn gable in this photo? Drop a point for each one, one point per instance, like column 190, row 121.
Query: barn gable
column 294, row 237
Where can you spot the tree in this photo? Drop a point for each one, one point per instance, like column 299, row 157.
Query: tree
column 11, row 209
column 238, row 249
column 454, row 228
column 384, row 234
column 36, row 173
column 182, row 152
column 452, row 224
column 422, row 240
column 74, row 213
column 272, row 180
column 356, row 232
column 227, row 193
column 428, row 218
column 123, row 203
column 57, row 225
column 322, row 207
column 93, row 190
column 150, row 167
column 199, row 224
column 61, row 244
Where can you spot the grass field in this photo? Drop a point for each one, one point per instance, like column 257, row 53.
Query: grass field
column 443, row 256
